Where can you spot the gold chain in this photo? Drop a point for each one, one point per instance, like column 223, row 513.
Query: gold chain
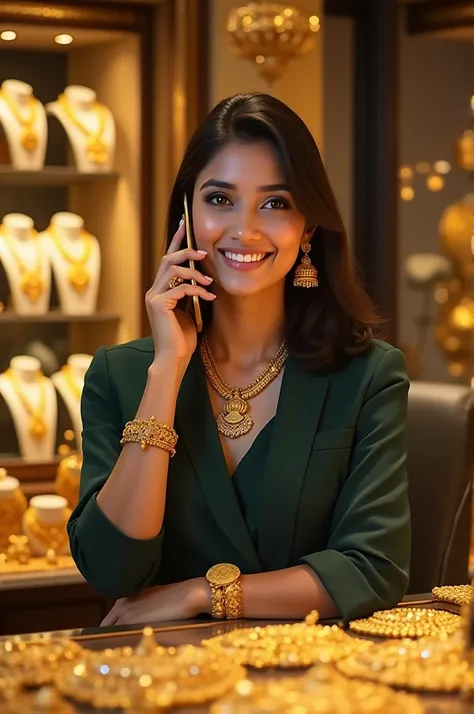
column 71, row 383
column 37, row 427
column 29, row 136
column 97, row 151
column 49, row 535
column 31, row 279
column 78, row 273
column 234, row 421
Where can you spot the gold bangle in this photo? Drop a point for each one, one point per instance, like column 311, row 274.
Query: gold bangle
column 149, row 432
column 226, row 592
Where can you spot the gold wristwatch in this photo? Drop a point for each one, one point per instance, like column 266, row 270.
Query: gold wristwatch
column 226, row 593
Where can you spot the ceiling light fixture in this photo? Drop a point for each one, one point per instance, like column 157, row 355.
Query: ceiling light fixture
column 64, row 39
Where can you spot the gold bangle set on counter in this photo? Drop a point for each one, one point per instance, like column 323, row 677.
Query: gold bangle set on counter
column 226, row 591
column 342, row 674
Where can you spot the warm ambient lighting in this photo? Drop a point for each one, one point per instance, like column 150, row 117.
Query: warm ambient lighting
column 64, row 39
column 8, row 35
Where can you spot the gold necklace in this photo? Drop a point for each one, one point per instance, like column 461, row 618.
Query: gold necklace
column 71, row 383
column 31, row 279
column 37, row 426
column 97, row 151
column 78, row 273
column 29, row 136
column 50, row 535
column 234, row 421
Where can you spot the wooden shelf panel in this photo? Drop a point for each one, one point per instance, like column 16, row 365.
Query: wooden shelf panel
column 9, row 317
column 28, row 471
column 50, row 176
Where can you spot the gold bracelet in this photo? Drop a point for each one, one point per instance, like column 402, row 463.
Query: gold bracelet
column 226, row 592
column 149, row 432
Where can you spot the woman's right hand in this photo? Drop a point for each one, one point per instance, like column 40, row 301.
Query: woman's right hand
column 174, row 331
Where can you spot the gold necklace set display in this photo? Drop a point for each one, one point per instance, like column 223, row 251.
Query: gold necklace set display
column 31, row 278
column 97, row 151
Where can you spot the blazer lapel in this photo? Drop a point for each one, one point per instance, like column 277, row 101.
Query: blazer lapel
column 197, row 430
column 299, row 409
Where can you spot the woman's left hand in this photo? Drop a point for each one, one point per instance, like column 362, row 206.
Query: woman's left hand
column 179, row 601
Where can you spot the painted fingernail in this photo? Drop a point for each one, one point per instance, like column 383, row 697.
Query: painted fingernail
column 181, row 222
column 209, row 278
column 202, row 252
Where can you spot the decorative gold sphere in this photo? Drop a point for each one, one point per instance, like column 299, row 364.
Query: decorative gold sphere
column 271, row 34
column 456, row 229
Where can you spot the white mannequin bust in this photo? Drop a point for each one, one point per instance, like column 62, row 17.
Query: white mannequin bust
column 26, row 265
column 89, row 126
column 50, row 510
column 69, row 382
column 24, row 121
column 75, row 258
column 31, row 399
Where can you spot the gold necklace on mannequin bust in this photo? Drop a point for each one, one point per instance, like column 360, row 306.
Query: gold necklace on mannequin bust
column 52, row 536
column 97, row 151
column 234, row 421
column 31, row 279
column 29, row 137
column 37, row 426
column 78, row 273
column 66, row 371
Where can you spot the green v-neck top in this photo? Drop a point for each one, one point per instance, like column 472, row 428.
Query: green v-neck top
column 324, row 484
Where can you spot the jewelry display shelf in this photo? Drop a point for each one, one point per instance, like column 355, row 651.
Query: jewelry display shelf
column 35, row 478
column 51, row 176
column 56, row 317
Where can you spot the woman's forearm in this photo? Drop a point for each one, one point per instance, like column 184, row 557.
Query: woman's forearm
column 133, row 497
column 288, row 594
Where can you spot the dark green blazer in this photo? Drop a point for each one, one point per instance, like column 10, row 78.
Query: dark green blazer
column 334, row 486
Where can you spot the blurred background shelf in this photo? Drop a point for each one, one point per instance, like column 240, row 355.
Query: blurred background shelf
column 50, row 176
column 56, row 317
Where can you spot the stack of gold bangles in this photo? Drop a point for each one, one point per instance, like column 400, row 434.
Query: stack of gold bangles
column 149, row 432
column 226, row 591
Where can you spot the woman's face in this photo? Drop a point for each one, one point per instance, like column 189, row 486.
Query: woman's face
column 246, row 219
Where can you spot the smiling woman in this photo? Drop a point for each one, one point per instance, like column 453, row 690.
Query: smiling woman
column 286, row 417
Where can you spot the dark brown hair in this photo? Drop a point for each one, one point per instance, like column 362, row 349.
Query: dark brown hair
column 324, row 325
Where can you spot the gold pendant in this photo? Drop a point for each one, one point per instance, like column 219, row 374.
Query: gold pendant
column 96, row 150
column 32, row 285
column 29, row 139
column 37, row 428
column 79, row 277
column 234, row 421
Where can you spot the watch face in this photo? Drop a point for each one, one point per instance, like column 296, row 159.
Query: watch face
column 223, row 574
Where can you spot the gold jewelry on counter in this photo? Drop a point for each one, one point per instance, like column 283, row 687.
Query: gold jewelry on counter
column 51, row 536
column 148, row 677
column 455, row 594
column 78, row 273
column 412, row 622
column 68, row 479
column 18, row 550
column 37, row 426
column 287, row 646
column 10, row 566
column 425, row 665
column 29, row 135
column 12, row 507
column 45, row 701
column 174, row 282
column 149, row 432
column 36, row 662
column 234, row 421
column 320, row 691
column 226, row 591
column 97, row 151
column 31, row 279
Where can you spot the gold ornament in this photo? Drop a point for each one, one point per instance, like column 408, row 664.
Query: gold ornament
column 12, row 507
column 148, row 678
column 306, row 275
column 321, row 691
column 286, row 646
column 455, row 594
column 31, row 279
column 51, row 536
column 271, row 34
column 425, row 665
column 29, row 136
column 37, row 426
column 97, row 151
column 78, row 273
column 35, row 663
column 234, row 421
column 411, row 622
column 68, row 375
column 18, row 549
column 68, row 478
column 45, row 701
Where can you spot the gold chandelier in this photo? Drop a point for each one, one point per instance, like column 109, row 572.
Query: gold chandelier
column 271, row 34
